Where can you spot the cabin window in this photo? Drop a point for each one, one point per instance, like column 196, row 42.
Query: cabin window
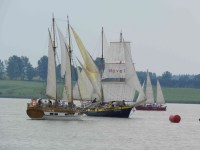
column 51, row 113
column 56, row 114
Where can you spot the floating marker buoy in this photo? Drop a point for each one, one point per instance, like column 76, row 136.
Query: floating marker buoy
column 175, row 118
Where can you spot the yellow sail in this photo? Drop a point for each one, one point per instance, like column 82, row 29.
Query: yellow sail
column 84, row 88
column 95, row 81
column 90, row 68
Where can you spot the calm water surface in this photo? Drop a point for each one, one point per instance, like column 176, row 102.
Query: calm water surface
column 142, row 131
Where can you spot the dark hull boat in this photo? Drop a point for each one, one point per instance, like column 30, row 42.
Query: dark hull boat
column 120, row 112
column 151, row 108
column 112, row 86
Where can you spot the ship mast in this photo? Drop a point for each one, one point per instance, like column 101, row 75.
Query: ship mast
column 102, row 66
column 54, row 47
column 70, row 56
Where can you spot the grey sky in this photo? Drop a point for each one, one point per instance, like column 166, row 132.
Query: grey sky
column 165, row 34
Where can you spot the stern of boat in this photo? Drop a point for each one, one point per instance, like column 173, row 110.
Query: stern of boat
column 35, row 112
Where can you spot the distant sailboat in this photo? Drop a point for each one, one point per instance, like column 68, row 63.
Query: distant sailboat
column 118, row 85
column 59, row 110
column 151, row 104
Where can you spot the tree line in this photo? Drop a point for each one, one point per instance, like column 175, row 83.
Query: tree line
column 20, row 68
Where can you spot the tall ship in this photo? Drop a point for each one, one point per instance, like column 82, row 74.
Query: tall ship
column 152, row 104
column 114, row 86
column 55, row 108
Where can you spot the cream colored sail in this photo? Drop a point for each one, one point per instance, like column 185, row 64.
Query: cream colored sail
column 90, row 68
column 65, row 68
column 51, row 72
column 84, row 86
column 159, row 98
column 149, row 90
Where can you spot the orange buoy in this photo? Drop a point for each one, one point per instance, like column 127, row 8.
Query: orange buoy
column 175, row 118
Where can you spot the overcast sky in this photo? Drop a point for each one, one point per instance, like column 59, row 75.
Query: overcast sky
column 164, row 34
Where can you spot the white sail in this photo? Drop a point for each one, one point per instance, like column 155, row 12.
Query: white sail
column 115, row 52
column 131, row 76
column 159, row 98
column 120, row 78
column 114, row 70
column 149, row 90
column 141, row 96
column 115, row 59
column 117, row 91
column 65, row 68
column 51, row 72
column 90, row 68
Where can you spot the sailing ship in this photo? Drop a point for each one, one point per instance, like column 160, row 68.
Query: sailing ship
column 155, row 105
column 113, row 88
column 53, row 108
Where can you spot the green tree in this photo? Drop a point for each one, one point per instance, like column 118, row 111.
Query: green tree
column 14, row 67
column 1, row 69
column 30, row 71
column 58, row 72
column 184, row 81
column 166, row 79
column 196, row 81
column 24, row 64
column 42, row 67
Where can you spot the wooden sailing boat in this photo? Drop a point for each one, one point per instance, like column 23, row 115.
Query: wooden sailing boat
column 151, row 104
column 57, row 111
column 116, row 87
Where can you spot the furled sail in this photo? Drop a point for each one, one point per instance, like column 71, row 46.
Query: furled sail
column 159, row 98
column 90, row 68
column 51, row 72
column 149, row 90
column 65, row 68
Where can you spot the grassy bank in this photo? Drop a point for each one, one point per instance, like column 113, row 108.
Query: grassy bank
column 29, row 89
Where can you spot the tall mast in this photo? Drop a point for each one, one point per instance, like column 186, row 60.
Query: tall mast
column 102, row 43
column 54, row 47
column 102, row 66
column 70, row 56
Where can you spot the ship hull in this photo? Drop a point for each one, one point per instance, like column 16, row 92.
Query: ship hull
column 151, row 108
column 120, row 112
column 37, row 113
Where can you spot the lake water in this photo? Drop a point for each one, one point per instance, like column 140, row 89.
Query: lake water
column 142, row 131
